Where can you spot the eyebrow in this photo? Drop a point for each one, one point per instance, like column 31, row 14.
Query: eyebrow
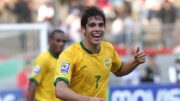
column 95, row 23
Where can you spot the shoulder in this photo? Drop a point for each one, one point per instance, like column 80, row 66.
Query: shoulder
column 72, row 53
column 43, row 55
column 72, row 49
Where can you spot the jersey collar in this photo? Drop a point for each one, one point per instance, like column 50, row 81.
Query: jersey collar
column 53, row 53
column 83, row 47
column 87, row 50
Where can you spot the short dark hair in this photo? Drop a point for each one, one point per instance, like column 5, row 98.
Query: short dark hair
column 51, row 34
column 89, row 12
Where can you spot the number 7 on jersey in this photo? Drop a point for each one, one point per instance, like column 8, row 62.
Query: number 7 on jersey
column 97, row 80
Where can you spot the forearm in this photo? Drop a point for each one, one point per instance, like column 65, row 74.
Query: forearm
column 31, row 91
column 126, row 68
column 63, row 92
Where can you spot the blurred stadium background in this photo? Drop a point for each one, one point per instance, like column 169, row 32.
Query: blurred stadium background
column 152, row 24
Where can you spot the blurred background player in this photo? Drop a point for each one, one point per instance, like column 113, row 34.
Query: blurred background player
column 23, row 78
column 174, row 71
column 85, row 77
column 41, row 81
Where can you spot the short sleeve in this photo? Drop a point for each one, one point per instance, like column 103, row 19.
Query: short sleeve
column 39, row 69
column 64, row 68
column 116, row 61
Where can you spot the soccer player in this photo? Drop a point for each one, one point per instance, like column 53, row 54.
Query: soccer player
column 83, row 69
column 41, row 86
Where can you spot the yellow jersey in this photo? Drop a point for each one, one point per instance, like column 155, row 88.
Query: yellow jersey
column 86, row 73
column 43, row 75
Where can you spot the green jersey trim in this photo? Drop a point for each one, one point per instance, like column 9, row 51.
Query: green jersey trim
column 83, row 47
column 61, row 79
column 55, row 55
column 119, row 68
column 33, row 80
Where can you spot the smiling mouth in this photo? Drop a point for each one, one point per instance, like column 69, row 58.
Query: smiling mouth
column 98, row 35
column 59, row 49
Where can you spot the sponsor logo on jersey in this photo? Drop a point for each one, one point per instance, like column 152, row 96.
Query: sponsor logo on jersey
column 65, row 67
column 107, row 62
column 36, row 70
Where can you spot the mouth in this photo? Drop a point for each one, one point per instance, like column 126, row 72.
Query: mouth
column 59, row 49
column 97, row 35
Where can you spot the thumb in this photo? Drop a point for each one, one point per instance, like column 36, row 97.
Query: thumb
column 138, row 49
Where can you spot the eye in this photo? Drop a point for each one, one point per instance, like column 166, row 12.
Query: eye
column 91, row 24
column 101, row 24
column 59, row 40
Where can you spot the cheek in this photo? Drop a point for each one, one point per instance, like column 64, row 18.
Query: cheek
column 103, row 29
column 55, row 44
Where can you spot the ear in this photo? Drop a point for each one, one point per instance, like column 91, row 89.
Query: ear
column 82, row 30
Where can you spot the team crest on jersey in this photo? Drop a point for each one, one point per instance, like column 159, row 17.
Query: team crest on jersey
column 36, row 70
column 65, row 67
column 107, row 62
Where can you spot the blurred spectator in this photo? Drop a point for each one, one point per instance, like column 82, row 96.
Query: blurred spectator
column 23, row 78
column 127, row 8
column 174, row 71
column 117, row 30
column 6, row 15
column 168, row 15
column 22, row 11
column 128, row 30
column 141, row 12
column 153, row 7
column 74, row 5
column 73, row 22
column 88, row 3
column 151, row 73
column 128, row 23
column 45, row 12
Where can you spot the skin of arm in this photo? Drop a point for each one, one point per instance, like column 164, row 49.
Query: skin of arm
column 128, row 67
column 63, row 92
column 31, row 91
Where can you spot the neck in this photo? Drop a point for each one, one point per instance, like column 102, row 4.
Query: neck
column 93, row 48
column 54, row 54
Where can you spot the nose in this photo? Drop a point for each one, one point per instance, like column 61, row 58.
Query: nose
column 61, row 43
column 97, row 27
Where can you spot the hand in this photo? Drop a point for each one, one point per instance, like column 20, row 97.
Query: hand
column 139, row 56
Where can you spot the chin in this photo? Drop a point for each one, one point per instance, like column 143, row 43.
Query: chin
column 96, row 43
column 58, row 52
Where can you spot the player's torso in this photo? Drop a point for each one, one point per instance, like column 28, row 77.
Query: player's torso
column 92, row 73
column 45, row 89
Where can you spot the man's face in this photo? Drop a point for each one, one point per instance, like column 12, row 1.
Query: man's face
column 57, row 43
column 94, row 31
